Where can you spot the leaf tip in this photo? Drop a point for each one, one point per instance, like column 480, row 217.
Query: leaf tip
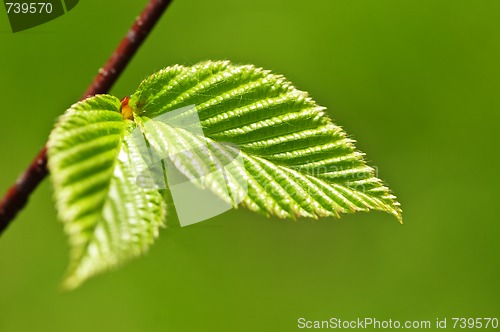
column 397, row 212
column 70, row 282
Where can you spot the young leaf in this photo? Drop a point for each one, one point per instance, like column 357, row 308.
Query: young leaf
column 294, row 161
column 94, row 165
column 242, row 132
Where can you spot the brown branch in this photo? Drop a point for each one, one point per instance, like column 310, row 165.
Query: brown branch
column 17, row 195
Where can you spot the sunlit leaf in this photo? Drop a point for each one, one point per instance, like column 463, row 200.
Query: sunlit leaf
column 245, row 135
column 94, row 166
column 295, row 160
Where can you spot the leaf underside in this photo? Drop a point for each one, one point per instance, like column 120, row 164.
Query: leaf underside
column 293, row 161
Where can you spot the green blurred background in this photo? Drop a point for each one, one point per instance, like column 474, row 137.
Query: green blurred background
column 415, row 82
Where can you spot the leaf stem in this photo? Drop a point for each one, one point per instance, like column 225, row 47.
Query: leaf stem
column 17, row 195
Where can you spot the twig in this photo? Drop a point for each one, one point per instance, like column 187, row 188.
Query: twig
column 17, row 195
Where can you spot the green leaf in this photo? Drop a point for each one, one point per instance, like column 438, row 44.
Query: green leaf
column 293, row 159
column 94, row 164
column 247, row 135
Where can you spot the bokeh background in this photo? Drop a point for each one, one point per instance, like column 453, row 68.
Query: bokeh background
column 416, row 82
